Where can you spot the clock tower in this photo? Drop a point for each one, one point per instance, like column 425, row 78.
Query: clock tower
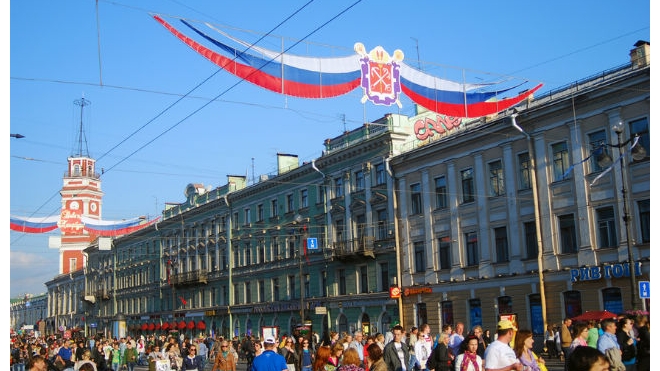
column 81, row 199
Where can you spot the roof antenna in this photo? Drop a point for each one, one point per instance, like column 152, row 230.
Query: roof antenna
column 81, row 134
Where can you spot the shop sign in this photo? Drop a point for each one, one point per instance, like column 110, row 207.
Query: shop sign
column 618, row 270
column 417, row 290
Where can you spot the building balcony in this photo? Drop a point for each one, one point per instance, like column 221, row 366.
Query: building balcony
column 354, row 250
column 102, row 295
column 190, row 278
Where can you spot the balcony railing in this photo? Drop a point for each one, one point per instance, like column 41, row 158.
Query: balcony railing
column 354, row 249
column 190, row 278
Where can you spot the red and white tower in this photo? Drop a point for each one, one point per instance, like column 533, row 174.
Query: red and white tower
column 81, row 198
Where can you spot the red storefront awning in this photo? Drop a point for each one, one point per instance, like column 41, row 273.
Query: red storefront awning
column 181, row 325
column 201, row 325
column 144, row 327
column 165, row 326
column 191, row 325
column 157, row 326
column 152, row 326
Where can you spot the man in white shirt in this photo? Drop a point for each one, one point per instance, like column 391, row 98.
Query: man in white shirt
column 499, row 356
column 456, row 339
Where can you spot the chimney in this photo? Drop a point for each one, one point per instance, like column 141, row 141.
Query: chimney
column 641, row 56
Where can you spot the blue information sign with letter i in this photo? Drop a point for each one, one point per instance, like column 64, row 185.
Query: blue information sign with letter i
column 312, row 243
column 644, row 289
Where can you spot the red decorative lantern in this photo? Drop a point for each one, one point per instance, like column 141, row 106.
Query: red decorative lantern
column 165, row 326
column 181, row 325
column 152, row 326
column 157, row 326
column 191, row 325
column 201, row 325
column 144, row 327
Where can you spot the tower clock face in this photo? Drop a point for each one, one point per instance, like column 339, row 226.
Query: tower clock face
column 74, row 205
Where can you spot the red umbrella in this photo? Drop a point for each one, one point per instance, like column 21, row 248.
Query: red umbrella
column 152, row 326
column 596, row 315
column 165, row 326
column 191, row 325
column 201, row 325
column 144, row 327
column 157, row 326
column 181, row 325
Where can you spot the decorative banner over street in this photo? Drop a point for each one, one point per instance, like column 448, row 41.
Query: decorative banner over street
column 381, row 76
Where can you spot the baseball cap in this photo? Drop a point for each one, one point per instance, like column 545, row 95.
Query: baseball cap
column 504, row 324
column 269, row 340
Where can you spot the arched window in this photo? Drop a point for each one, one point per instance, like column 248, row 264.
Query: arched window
column 342, row 323
column 76, row 170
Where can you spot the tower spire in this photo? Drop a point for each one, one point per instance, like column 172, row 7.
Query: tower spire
column 81, row 134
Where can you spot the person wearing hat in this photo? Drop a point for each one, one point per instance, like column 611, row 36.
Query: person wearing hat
column 499, row 356
column 269, row 360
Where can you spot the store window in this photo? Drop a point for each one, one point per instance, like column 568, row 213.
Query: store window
column 612, row 299
column 447, row 308
column 476, row 317
column 573, row 303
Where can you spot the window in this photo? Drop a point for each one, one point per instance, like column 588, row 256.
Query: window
column 573, row 303
column 467, row 183
column 422, row 314
column 304, row 200
column 324, row 284
column 644, row 207
column 384, row 276
column 339, row 230
column 444, row 252
column 364, row 281
column 276, row 289
column 273, row 208
column 237, row 259
column 440, row 192
column 597, row 147
column 237, row 299
column 415, row 199
column 235, row 221
column 339, row 187
column 475, row 312
column 504, row 305
column 382, row 224
column 321, row 193
column 531, row 242
column 306, row 285
column 641, row 127
column 260, row 212
column 606, row 227
column 567, row 234
column 341, row 282
column 277, row 255
column 291, row 287
column 447, row 312
column 292, row 247
column 536, row 311
column 496, row 178
column 501, row 245
column 380, row 173
column 472, row 248
column 612, row 299
column 560, row 161
column 360, row 227
column 261, row 287
column 420, row 257
column 248, row 293
column 358, row 181
column 289, row 203
column 247, row 217
column 248, row 254
column 261, row 251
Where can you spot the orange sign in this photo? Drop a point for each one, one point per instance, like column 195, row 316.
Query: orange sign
column 417, row 290
column 395, row 292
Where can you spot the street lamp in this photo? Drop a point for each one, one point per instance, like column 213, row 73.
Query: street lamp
column 297, row 220
column 638, row 153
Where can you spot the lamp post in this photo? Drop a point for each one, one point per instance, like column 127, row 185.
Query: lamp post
column 298, row 219
column 618, row 129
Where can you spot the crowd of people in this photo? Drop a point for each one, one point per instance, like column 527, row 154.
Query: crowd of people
column 609, row 345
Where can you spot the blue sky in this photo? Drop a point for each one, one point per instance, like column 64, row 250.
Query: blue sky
column 132, row 69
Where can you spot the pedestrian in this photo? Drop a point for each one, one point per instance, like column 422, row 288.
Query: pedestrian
column 587, row 359
column 269, row 360
column 481, row 342
column 550, row 345
column 335, row 356
column 154, row 356
column 643, row 344
column 609, row 346
column 423, row 346
column 224, row 358
column 523, row 348
column 469, row 360
column 290, row 355
column 499, row 355
column 358, row 345
column 305, row 355
column 592, row 339
column 565, row 336
column 627, row 344
column 396, row 354
column 191, row 362
column 115, row 357
column 440, row 358
column 37, row 363
column 351, row 361
column 130, row 357
column 375, row 358
column 580, row 335
column 202, row 352
column 456, row 339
